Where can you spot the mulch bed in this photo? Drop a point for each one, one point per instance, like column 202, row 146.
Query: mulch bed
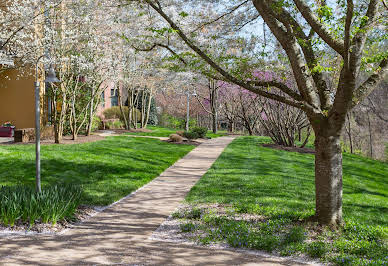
column 65, row 140
column 139, row 130
column 293, row 149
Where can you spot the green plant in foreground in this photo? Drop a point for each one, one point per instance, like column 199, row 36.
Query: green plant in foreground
column 54, row 203
column 188, row 227
column 297, row 234
column 316, row 249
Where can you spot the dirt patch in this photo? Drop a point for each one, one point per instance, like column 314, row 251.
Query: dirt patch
column 293, row 149
column 83, row 213
column 65, row 140
column 184, row 142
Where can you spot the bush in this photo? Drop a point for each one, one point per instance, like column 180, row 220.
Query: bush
column 190, row 135
column 117, row 124
column 22, row 203
column 201, row 131
column 96, row 123
column 175, row 138
column 115, row 113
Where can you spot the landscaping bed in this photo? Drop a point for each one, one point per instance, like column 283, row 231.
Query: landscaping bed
column 260, row 198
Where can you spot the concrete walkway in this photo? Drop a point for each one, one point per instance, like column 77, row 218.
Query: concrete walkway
column 120, row 234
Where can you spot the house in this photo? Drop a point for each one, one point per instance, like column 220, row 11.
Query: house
column 17, row 103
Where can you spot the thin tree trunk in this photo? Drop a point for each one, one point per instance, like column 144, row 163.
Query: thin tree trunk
column 349, row 131
column 370, row 138
column 307, row 137
column 90, row 122
column 328, row 178
column 122, row 109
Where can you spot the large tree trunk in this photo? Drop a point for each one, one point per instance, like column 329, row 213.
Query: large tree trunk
column 328, row 177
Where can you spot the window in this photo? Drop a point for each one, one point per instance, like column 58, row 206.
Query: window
column 114, row 97
column 103, row 99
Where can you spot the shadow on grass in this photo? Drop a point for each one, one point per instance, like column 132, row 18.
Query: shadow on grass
column 274, row 181
column 108, row 169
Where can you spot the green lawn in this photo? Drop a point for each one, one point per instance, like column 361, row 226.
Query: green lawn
column 108, row 170
column 280, row 186
column 158, row 131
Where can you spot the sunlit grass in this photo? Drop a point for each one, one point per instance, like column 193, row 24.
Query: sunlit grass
column 108, row 169
column 158, row 131
column 279, row 185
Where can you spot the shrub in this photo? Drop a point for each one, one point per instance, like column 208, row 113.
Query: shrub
column 96, row 123
column 22, row 203
column 115, row 113
column 201, row 131
column 190, row 135
column 175, row 138
column 114, row 124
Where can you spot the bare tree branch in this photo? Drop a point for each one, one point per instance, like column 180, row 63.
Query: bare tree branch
column 299, row 104
column 230, row 11
column 367, row 87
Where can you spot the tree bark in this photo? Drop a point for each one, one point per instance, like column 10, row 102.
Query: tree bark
column 328, row 177
column 349, row 132
column 370, row 138
column 90, row 122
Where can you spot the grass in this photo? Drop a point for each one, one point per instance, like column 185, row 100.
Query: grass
column 158, row 131
column 107, row 170
column 279, row 185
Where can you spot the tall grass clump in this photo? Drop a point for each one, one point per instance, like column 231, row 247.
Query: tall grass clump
column 21, row 204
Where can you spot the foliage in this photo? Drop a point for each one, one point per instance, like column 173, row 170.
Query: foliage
column 201, row 131
column 284, row 197
column 316, row 249
column 7, row 124
column 117, row 124
column 187, row 227
column 170, row 121
column 108, row 170
column 23, row 204
column 115, row 113
column 158, row 131
column 190, row 135
column 97, row 123
column 296, row 234
column 153, row 119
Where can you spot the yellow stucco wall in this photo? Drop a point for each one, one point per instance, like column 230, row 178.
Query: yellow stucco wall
column 17, row 103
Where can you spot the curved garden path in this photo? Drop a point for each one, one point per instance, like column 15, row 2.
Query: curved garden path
column 121, row 233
